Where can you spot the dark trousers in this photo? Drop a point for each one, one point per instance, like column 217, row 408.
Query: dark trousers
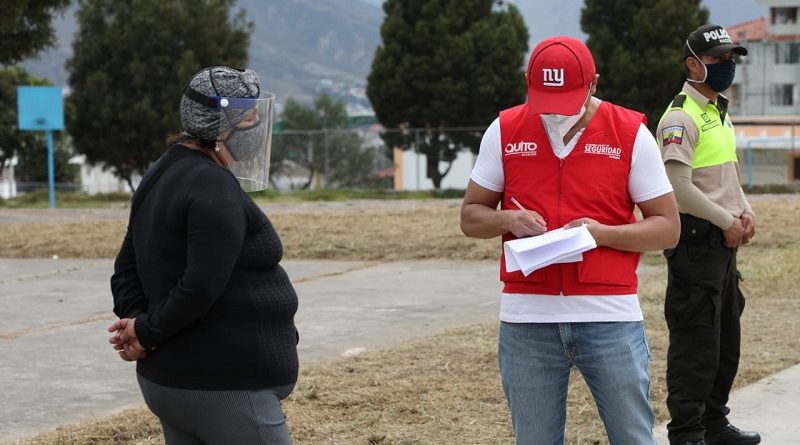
column 702, row 308
column 218, row 417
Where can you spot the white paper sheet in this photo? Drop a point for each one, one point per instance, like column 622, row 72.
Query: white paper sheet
column 556, row 246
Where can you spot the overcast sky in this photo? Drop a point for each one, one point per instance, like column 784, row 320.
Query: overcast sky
column 546, row 18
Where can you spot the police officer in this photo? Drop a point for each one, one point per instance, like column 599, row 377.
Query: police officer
column 703, row 300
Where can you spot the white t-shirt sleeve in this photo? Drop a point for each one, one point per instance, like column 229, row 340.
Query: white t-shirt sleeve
column 647, row 179
column 488, row 169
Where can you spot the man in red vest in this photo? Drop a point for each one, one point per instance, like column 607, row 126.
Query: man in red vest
column 569, row 159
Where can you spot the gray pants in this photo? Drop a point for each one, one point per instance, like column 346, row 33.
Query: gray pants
column 199, row 417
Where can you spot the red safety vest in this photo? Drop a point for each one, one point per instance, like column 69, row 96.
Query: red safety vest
column 592, row 181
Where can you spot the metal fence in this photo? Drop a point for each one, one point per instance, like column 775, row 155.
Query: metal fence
column 397, row 159
column 372, row 157
column 764, row 165
column 768, row 148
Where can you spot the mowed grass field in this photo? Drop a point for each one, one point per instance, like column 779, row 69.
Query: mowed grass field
column 443, row 389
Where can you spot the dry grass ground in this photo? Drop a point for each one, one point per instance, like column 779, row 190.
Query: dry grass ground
column 445, row 389
column 427, row 230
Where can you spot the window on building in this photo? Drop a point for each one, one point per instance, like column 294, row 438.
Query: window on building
column 783, row 16
column 787, row 52
column 782, row 94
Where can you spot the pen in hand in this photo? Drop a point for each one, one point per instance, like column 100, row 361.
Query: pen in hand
column 536, row 218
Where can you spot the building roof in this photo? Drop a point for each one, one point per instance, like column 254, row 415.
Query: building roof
column 756, row 29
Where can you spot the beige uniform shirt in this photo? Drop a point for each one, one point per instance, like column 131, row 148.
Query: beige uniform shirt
column 719, row 184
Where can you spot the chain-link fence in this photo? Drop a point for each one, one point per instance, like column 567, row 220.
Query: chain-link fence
column 425, row 158
column 768, row 148
column 375, row 158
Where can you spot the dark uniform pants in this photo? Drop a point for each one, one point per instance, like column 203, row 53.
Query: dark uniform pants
column 702, row 308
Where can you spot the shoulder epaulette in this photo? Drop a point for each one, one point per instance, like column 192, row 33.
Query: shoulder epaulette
column 678, row 101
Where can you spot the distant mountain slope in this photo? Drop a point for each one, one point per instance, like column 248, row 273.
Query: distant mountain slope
column 303, row 46
column 299, row 47
column 50, row 64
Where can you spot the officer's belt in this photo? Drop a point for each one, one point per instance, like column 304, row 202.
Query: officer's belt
column 699, row 231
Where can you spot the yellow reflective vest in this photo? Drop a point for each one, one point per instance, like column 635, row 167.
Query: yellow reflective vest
column 716, row 140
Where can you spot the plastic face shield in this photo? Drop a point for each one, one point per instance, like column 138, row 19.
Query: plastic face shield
column 249, row 140
column 244, row 128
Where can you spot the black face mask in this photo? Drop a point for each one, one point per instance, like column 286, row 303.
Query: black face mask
column 719, row 76
column 244, row 143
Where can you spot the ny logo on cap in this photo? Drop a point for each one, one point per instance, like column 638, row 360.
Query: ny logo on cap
column 553, row 77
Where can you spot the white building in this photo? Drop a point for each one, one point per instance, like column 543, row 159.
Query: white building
column 8, row 186
column 768, row 78
column 765, row 95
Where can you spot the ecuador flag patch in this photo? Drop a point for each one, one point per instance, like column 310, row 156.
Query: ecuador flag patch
column 672, row 135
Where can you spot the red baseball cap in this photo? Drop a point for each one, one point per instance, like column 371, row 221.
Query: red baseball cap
column 559, row 73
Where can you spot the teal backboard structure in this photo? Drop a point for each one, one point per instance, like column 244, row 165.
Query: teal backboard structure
column 40, row 108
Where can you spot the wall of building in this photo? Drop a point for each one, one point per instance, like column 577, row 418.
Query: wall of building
column 411, row 171
column 768, row 79
column 763, row 86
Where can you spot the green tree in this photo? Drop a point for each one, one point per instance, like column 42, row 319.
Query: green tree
column 26, row 28
column 316, row 138
column 638, row 49
column 446, row 63
column 131, row 60
column 29, row 147
column 32, row 166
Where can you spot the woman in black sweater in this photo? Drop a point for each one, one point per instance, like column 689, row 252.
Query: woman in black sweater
column 205, row 308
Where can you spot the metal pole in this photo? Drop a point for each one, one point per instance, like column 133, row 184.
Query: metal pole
column 749, row 157
column 418, row 155
column 314, row 173
column 51, row 169
column 12, row 184
column 327, row 164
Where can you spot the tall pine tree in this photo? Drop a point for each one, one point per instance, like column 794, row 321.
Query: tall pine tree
column 26, row 27
column 130, row 62
column 638, row 49
column 447, row 63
